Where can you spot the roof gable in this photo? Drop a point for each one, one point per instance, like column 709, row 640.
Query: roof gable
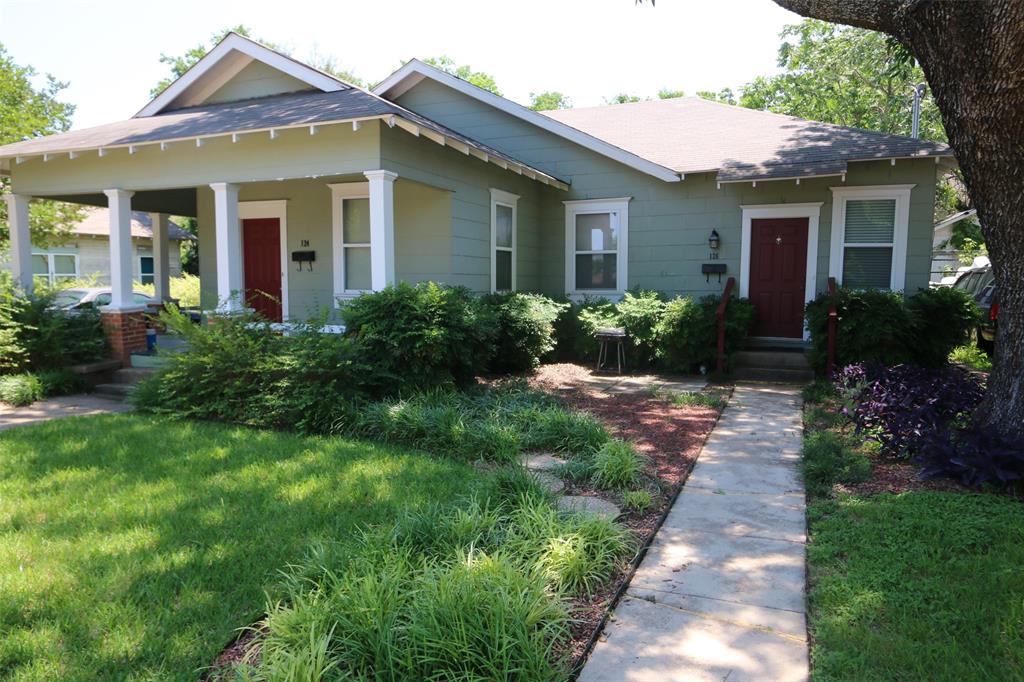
column 414, row 71
column 240, row 68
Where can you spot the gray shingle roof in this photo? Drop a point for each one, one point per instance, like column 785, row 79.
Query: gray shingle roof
column 96, row 223
column 293, row 109
column 690, row 135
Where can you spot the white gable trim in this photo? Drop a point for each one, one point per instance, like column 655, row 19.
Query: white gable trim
column 222, row 55
column 414, row 71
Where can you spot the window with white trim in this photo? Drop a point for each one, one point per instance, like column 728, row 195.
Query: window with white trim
column 147, row 271
column 351, row 233
column 869, row 246
column 596, row 234
column 51, row 268
column 504, row 220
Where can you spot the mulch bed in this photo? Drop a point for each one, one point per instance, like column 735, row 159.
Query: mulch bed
column 668, row 435
column 889, row 476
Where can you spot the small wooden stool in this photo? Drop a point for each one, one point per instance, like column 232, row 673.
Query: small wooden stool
column 611, row 335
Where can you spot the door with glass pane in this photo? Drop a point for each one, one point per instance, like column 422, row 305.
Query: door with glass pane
column 778, row 275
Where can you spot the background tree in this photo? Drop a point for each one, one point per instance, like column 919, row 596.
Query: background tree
column 725, row 95
column 623, row 98
column 465, row 72
column 546, row 101
column 27, row 112
column 666, row 93
column 846, row 76
column 971, row 54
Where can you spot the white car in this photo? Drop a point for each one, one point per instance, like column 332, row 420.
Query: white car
column 93, row 297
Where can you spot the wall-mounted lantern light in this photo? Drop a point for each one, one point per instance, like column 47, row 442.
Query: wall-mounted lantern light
column 713, row 240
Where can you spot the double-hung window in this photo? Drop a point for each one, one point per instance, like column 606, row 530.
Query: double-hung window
column 351, row 239
column 596, row 233
column 503, row 240
column 869, row 236
column 53, row 268
column 147, row 273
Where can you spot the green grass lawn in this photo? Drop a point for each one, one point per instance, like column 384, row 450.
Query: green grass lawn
column 917, row 586
column 135, row 547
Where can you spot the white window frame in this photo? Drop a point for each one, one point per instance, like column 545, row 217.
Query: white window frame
column 341, row 191
column 619, row 207
column 153, row 274
column 840, row 196
column 275, row 208
column 51, row 275
column 509, row 200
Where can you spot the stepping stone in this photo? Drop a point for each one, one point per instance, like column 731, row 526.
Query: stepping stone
column 550, row 482
column 541, row 461
column 588, row 505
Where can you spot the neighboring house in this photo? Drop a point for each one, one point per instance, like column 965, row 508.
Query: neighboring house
column 311, row 190
column 945, row 258
column 87, row 255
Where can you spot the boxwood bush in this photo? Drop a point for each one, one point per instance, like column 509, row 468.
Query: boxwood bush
column 884, row 327
column 526, row 329
column 423, row 336
column 688, row 332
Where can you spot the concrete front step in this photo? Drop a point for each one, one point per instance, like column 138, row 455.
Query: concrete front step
column 771, row 359
column 784, row 375
column 113, row 391
column 131, row 375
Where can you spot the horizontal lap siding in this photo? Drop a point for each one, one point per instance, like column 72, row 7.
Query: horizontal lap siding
column 669, row 223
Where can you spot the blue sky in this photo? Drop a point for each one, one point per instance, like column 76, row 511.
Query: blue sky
column 109, row 50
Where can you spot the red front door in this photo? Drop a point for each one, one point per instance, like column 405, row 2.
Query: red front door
column 261, row 249
column 778, row 271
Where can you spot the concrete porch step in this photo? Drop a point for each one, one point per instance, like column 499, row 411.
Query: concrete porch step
column 769, row 359
column 131, row 375
column 785, row 375
column 113, row 391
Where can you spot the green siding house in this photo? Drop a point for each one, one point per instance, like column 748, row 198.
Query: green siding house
column 309, row 190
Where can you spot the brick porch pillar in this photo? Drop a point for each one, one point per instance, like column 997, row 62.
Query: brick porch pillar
column 126, row 332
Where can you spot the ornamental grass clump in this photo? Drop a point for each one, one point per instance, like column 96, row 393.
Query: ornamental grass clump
column 616, row 465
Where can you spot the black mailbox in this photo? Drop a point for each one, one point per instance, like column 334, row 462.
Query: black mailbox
column 301, row 257
column 708, row 269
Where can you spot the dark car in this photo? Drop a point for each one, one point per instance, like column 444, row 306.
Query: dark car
column 981, row 285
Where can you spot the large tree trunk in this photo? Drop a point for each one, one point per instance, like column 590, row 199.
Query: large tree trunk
column 972, row 52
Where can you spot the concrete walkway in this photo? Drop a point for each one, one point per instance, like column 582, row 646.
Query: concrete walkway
column 56, row 408
column 720, row 594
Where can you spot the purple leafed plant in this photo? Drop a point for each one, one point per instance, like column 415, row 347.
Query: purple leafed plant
column 974, row 456
column 903, row 406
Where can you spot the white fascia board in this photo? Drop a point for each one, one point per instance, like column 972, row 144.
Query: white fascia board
column 414, row 71
column 252, row 49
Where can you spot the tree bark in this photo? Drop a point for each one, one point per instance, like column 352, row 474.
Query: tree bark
column 972, row 52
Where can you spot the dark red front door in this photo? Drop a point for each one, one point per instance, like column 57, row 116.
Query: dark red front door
column 778, row 270
column 261, row 249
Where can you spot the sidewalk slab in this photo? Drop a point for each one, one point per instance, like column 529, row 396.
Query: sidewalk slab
column 720, row 594
column 656, row 643
column 57, row 408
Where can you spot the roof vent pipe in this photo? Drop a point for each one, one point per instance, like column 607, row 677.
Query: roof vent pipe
column 915, row 114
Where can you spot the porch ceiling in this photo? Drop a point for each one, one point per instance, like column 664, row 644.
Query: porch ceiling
column 180, row 202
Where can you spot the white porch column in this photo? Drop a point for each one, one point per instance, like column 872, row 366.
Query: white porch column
column 382, row 227
column 119, row 203
column 161, row 259
column 228, row 238
column 21, row 241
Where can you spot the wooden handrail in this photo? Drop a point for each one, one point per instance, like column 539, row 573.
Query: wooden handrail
column 720, row 317
column 833, row 325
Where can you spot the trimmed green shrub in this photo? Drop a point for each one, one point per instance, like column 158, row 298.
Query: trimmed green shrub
column 874, row 327
column 639, row 313
column 942, row 319
column 592, row 314
column 886, row 328
column 688, row 332
column 36, row 336
column 422, row 336
column 237, row 370
column 526, row 329
column 61, row 382
column 20, row 389
column 616, row 465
